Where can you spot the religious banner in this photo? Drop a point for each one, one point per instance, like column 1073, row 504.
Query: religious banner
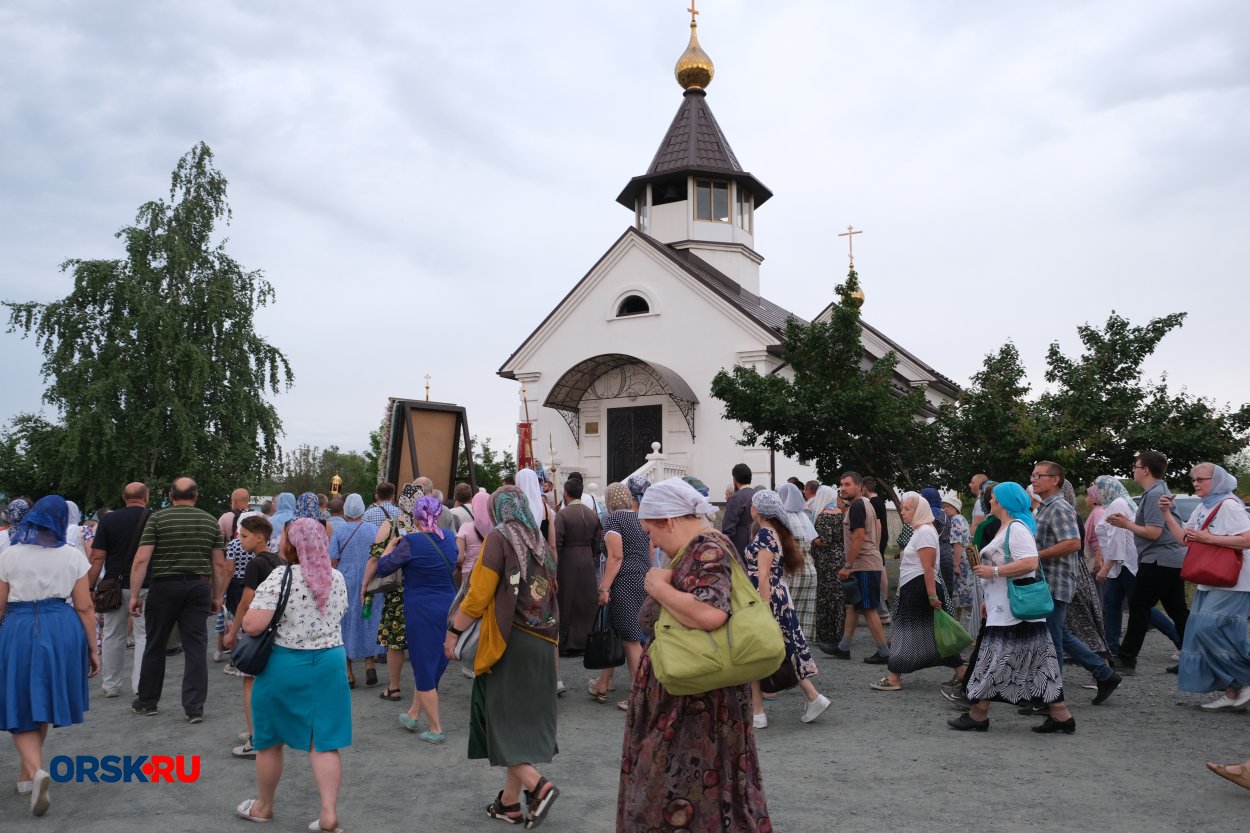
column 525, row 445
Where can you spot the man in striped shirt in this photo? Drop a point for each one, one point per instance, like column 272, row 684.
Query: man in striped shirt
column 184, row 550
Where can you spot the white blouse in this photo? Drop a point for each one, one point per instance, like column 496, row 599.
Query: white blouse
column 909, row 565
column 34, row 572
column 1230, row 520
column 303, row 626
column 1118, row 546
column 1023, row 545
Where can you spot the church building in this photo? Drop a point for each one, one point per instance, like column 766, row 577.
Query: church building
column 673, row 300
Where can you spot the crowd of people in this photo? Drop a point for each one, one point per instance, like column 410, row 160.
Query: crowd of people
column 511, row 581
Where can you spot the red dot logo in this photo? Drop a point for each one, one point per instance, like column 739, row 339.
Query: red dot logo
column 149, row 769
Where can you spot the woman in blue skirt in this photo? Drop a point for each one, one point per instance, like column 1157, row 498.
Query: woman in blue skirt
column 301, row 699
column 47, row 647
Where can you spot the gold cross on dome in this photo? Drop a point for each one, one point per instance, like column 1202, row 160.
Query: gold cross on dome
column 849, row 234
column 692, row 11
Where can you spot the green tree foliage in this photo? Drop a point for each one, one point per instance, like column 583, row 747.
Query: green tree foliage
column 30, row 451
column 153, row 362
column 489, row 466
column 310, row 469
column 838, row 411
column 992, row 429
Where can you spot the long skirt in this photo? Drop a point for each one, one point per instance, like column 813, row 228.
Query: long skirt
column 1216, row 654
column 512, row 711
column 912, row 646
column 1084, row 618
column 830, row 606
column 425, row 623
column 301, row 699
column 43, row 666
column 1014, row 664
column 802, row 584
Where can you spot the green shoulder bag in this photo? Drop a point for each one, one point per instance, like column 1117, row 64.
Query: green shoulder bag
column 748, row 647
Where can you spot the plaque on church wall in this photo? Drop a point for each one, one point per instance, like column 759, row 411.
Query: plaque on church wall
column 592, row 429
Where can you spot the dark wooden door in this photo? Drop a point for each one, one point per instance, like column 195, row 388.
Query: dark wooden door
column 630, row 434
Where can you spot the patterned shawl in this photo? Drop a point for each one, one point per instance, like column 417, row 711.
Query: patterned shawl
column 408, row 498
column 513, row 520
column 426, row 512
column 308, row 536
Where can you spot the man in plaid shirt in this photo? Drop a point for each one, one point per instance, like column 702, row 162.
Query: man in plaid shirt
column 1059, row 547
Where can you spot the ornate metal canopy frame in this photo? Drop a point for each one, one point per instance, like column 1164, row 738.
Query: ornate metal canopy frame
column 616, row 376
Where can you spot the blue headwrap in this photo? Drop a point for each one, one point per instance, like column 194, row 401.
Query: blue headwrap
column 354, row 506
column 1013, row 498
column 934, row 499
column 284, row 504
column 44, row 525
column 307, row 506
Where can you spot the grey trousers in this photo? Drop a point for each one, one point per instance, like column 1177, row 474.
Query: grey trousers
column 113, row 656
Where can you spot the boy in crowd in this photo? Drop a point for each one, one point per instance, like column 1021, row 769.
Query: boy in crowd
column 259, row 562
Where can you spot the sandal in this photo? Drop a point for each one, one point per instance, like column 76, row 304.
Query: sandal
column 539, row 805
column 504, row 812
column 244, row 811
column 315, row 825
column 390, row 694
column 1241, row 779
column 593, row 690
column 371, row 676
column 884, row 684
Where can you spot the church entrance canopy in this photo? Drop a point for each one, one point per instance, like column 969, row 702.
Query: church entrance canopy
column 616, row 376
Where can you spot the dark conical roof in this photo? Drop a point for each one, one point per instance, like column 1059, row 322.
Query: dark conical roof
column 693, row 144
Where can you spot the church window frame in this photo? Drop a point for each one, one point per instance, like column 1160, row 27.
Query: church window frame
column 745, row 209
column 632, row 305
column 636, row 294
column 709, row 196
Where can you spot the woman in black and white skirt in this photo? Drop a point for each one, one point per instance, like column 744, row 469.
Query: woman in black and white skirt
column 1014, row 660
column 920, row 593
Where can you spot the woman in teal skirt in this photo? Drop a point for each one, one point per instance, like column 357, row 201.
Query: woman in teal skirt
column 301, row 699
column 47, row 647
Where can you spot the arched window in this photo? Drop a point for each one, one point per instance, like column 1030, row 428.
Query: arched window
column 633, row 305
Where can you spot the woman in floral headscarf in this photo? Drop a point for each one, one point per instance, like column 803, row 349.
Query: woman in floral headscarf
column 513, row 710
column 47, row 648
column 393, row 633
column 13, row 515
column 428, row 558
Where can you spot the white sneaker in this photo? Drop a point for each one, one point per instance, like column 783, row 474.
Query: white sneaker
column 39, row 800
column 760, row 721
column 560, row 688
column 218, row 656
column 25, row 787
column 1224, row 702
column 1242, row 700
column 230, row 669
column 815, row 708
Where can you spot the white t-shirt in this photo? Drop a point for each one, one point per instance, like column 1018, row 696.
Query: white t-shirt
column 303, row 626
column 1118, row 545
column 1023, row 545
column 1231, row 520
column 909, row 566
column 34, row 572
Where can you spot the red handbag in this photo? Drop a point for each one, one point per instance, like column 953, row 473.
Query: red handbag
column 1212, row 564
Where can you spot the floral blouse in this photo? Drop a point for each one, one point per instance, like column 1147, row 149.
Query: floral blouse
column 303, row 626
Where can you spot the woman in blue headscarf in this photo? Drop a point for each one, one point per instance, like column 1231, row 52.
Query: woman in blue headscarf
column 349, row 553
column 284, row 513
column 47, row 647
column 1014, row 660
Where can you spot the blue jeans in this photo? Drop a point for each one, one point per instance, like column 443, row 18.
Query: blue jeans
column 1064, row 641
column 1115, row 594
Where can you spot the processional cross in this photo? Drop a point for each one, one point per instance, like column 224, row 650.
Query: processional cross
column 849, row 234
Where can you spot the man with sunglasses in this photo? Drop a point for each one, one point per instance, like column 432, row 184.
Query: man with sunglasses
column 1159, row 561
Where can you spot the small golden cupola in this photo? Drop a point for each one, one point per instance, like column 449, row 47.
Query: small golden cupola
column 694, row 68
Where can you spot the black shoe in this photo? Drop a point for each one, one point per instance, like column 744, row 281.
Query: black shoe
column 1050, row 726
column 875, row 659
column 1105, row 687
column 964, row 723
column 143, row 711
column 834, row 651
column 1174, row 669
column 1033, row 709
column 1126, row 666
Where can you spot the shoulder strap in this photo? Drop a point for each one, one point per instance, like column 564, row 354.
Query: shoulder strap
column 284, row 593
column 1211, row 517
column 138, row 531
column 439, row 550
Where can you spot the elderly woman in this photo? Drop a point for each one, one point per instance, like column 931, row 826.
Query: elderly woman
column 963, row 594
column 513, row 706
column 771, row 553
column 1118, row 554
column 428, row 558
column 829, row 556
column 349, row 553
column 47, row 647
column 1014, row 660
column 920, row 593
column 392, row 633
column 301, row 699
column 802, row 581
column 629, row 558
column 689, row 763
column 1215, row 654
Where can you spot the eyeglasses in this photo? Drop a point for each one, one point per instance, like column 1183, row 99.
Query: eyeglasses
column 1037, row 475
column 1199, row 479
column 1138, row 466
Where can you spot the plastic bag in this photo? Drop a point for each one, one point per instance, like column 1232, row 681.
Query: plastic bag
column 950, row 636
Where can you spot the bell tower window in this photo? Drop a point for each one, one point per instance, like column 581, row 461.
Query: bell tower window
column 744, row 209
column 711, row 200
column 633, row 305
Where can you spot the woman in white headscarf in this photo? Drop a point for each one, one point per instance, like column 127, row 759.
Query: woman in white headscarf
column 829, row 556
column 802, row 581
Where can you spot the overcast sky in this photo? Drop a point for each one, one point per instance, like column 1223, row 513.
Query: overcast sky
column 422, row 182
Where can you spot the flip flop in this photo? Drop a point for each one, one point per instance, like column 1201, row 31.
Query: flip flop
column 1241, row 779
column 391, row 694
column 244, row 811
column 315, row 825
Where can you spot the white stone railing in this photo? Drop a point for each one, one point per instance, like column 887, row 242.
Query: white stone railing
column 657, row 468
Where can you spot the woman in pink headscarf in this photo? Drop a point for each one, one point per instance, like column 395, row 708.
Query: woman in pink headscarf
column 1093, row 550
column 470, row 536
column 301, row 699
column 428, row 558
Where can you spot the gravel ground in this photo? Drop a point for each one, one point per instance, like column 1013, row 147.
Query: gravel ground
column 874, row 761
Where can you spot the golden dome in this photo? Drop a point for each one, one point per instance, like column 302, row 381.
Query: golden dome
column 694, row 68
column 857, row 298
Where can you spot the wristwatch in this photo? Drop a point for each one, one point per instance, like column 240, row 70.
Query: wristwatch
column 451, row 628
column 995, row 571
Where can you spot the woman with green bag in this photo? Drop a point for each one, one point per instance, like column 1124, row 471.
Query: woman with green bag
column 689, row 762
column 1014, row 660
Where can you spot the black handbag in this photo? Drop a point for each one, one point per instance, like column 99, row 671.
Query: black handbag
column 783, row 678
column 603, row 647
column 251, row 654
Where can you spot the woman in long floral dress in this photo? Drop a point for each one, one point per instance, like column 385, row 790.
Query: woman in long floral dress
column 393, row 631
column 829, row 553
column 772, row 549
column 689, row 763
